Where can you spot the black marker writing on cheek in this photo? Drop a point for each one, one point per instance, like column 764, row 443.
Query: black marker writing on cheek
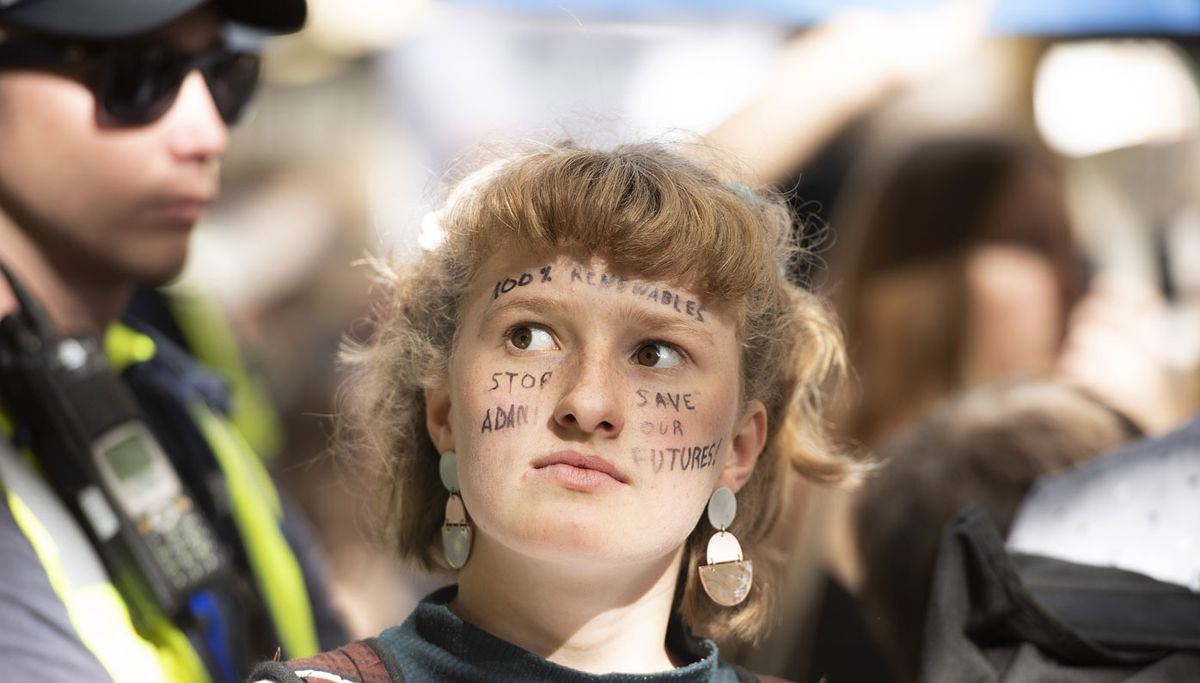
column 523, row 380
column 674, row 401
column 686, row 459
column 661, row 427
column 508, row 284
column 502, row 418
column 697, row 457
column 655, row 458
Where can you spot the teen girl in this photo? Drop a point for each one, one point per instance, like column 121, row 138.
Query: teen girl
column 587, row 398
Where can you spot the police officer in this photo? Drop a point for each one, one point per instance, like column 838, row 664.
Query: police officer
column 140, row 539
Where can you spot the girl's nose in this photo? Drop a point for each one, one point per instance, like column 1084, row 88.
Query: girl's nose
column 592, row 402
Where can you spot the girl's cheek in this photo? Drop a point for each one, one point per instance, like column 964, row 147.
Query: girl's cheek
column 509, row 401
column 673, row 434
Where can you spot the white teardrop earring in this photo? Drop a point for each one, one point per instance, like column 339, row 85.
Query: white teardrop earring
column 727, row 577
column 456, row 532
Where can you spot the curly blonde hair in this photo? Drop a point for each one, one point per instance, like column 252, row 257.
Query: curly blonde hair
column 649, row 210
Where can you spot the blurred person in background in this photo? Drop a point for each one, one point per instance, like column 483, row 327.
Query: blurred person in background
column 140, row 539
column 826, row 80
column 958, row 264
column 954, row 266
column 984, row 447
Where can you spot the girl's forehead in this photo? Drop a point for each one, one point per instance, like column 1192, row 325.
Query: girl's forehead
column 587, row 286
column 507, row 257
column 510, row 270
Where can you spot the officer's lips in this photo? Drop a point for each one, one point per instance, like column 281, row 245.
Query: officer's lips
column 183, row 209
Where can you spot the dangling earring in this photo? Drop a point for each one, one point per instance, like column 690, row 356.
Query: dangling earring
column 727, row 577
column 456, row 532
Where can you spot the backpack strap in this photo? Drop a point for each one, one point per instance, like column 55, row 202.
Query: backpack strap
column 745, row 675
column 363, row 661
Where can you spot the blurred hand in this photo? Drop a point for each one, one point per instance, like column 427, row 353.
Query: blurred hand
column 832, row 73
column 1115, row 349
column 873, row 49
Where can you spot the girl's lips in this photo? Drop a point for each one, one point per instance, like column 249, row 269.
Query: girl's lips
column 580, row 472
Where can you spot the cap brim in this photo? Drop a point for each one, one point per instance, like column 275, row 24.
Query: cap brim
column 115, row 19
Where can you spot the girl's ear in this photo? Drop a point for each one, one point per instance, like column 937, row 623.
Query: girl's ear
column 437, row 417
column 749, row 437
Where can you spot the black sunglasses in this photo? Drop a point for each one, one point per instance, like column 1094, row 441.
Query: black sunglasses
column 136, row 83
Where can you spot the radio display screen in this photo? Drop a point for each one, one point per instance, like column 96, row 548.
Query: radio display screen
column 128, row 458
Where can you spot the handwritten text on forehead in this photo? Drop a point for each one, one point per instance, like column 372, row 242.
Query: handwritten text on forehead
column 603, row 280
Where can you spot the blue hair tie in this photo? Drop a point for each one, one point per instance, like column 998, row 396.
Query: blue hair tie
column 744, row 192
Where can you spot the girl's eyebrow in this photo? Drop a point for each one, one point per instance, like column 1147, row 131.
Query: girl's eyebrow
column 666, row 322
column 520, row 301
column 641, row 314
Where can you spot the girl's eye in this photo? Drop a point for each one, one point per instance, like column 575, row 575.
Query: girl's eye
column 530, row 338
column 658, row 355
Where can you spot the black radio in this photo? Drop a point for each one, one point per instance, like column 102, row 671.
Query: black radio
column 95, row 449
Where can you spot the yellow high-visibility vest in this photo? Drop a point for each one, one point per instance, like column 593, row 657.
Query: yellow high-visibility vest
column 156, row 650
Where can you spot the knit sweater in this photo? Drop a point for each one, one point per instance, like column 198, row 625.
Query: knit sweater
column 436, row 645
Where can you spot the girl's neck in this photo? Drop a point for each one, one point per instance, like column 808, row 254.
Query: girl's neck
column 594, row 620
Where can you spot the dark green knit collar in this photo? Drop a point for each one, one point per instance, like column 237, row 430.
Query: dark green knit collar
column 434, row 644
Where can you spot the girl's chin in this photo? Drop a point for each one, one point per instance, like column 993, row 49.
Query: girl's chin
column 568, row 538
column 598, row 545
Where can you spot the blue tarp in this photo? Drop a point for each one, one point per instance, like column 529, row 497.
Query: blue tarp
column 1009, row 17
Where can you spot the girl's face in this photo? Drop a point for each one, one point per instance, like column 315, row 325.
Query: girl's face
column 592, row 414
